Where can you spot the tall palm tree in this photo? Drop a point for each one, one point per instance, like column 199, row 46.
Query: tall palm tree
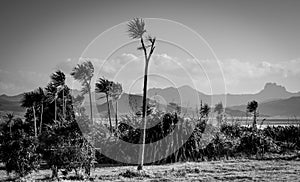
column 41, row 98
column 252, row 108
column 136, row 30
column 31, row 100
column 104, row 86
column 116, row 91
column 58, row 79
column 9, row 119
column 83, row 73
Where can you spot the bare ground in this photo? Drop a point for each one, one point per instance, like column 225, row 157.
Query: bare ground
column 231, row 170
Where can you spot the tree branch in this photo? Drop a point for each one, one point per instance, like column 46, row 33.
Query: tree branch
column 152, row 48
column 144, row 48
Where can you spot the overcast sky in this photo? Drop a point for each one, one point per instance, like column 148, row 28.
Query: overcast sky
column 249, row 42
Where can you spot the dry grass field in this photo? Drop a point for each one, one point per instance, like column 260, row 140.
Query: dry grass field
column 231, row 170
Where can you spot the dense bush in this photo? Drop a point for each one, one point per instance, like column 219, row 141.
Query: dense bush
column 288, row 136
column 221, row 146
column 198, row 140
column 257, row 143
column 184, row 138
column 233, row 130
column 64, row 147
column 18, row 148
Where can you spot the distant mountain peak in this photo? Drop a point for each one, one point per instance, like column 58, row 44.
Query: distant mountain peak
column 274, row 87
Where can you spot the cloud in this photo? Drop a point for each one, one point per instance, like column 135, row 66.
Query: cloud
column 165, row 70
column 237, row 73
column 66, row 65
column 20, row 81
column 234, row 68
column 242, row 76
column 291, row 68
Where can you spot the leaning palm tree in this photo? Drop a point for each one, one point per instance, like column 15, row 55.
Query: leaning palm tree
column 83, row 73
column 104, row 86
column 252, row 108
column 136, row 30
column 116, row 91
column 58, row 80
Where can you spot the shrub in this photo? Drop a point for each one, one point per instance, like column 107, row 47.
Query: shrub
column 19, row 149
column 64, row 147
column 286, row 135
column 257, row 143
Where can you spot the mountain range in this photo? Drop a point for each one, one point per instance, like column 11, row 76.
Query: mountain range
column 188, row 96
column 11, row 104
column 273, row 99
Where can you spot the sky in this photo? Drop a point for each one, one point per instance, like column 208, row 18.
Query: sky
column 232, row 46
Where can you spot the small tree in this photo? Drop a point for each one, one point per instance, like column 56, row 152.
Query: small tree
column 104, row 86
column 204, row 111
column 116, row 91
column 252, row 108
column 219, row 110
column 66, row 148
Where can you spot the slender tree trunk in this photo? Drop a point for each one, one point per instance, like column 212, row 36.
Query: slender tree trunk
column 35, row 129
column 41, row 122
column 116, row 115
column 64, row 104
column 66, row 107
column 254, row 120
column 91, row 106
column 10, row 128
column 108, row 110
column 55, row 109
column 147, row 59
column 144, row 118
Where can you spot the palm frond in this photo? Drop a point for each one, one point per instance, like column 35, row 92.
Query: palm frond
column 27, row 99
column 252, row 106
column 116, row 90
column 103, row 86
column 136, row 28
column 83, row 72
column 58, row 78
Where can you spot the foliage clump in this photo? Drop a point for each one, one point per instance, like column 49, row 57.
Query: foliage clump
column 18, row 149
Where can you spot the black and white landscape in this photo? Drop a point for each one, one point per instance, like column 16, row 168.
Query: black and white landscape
column 149, row 90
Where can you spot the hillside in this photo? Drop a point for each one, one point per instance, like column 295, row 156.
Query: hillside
column 11, row 104
column 284, row 107
column 189, row 96
column 274, row 100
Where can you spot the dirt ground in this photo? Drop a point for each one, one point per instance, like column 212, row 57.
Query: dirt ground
column 231, row 170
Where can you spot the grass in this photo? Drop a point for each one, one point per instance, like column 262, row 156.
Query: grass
column 231, row 170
